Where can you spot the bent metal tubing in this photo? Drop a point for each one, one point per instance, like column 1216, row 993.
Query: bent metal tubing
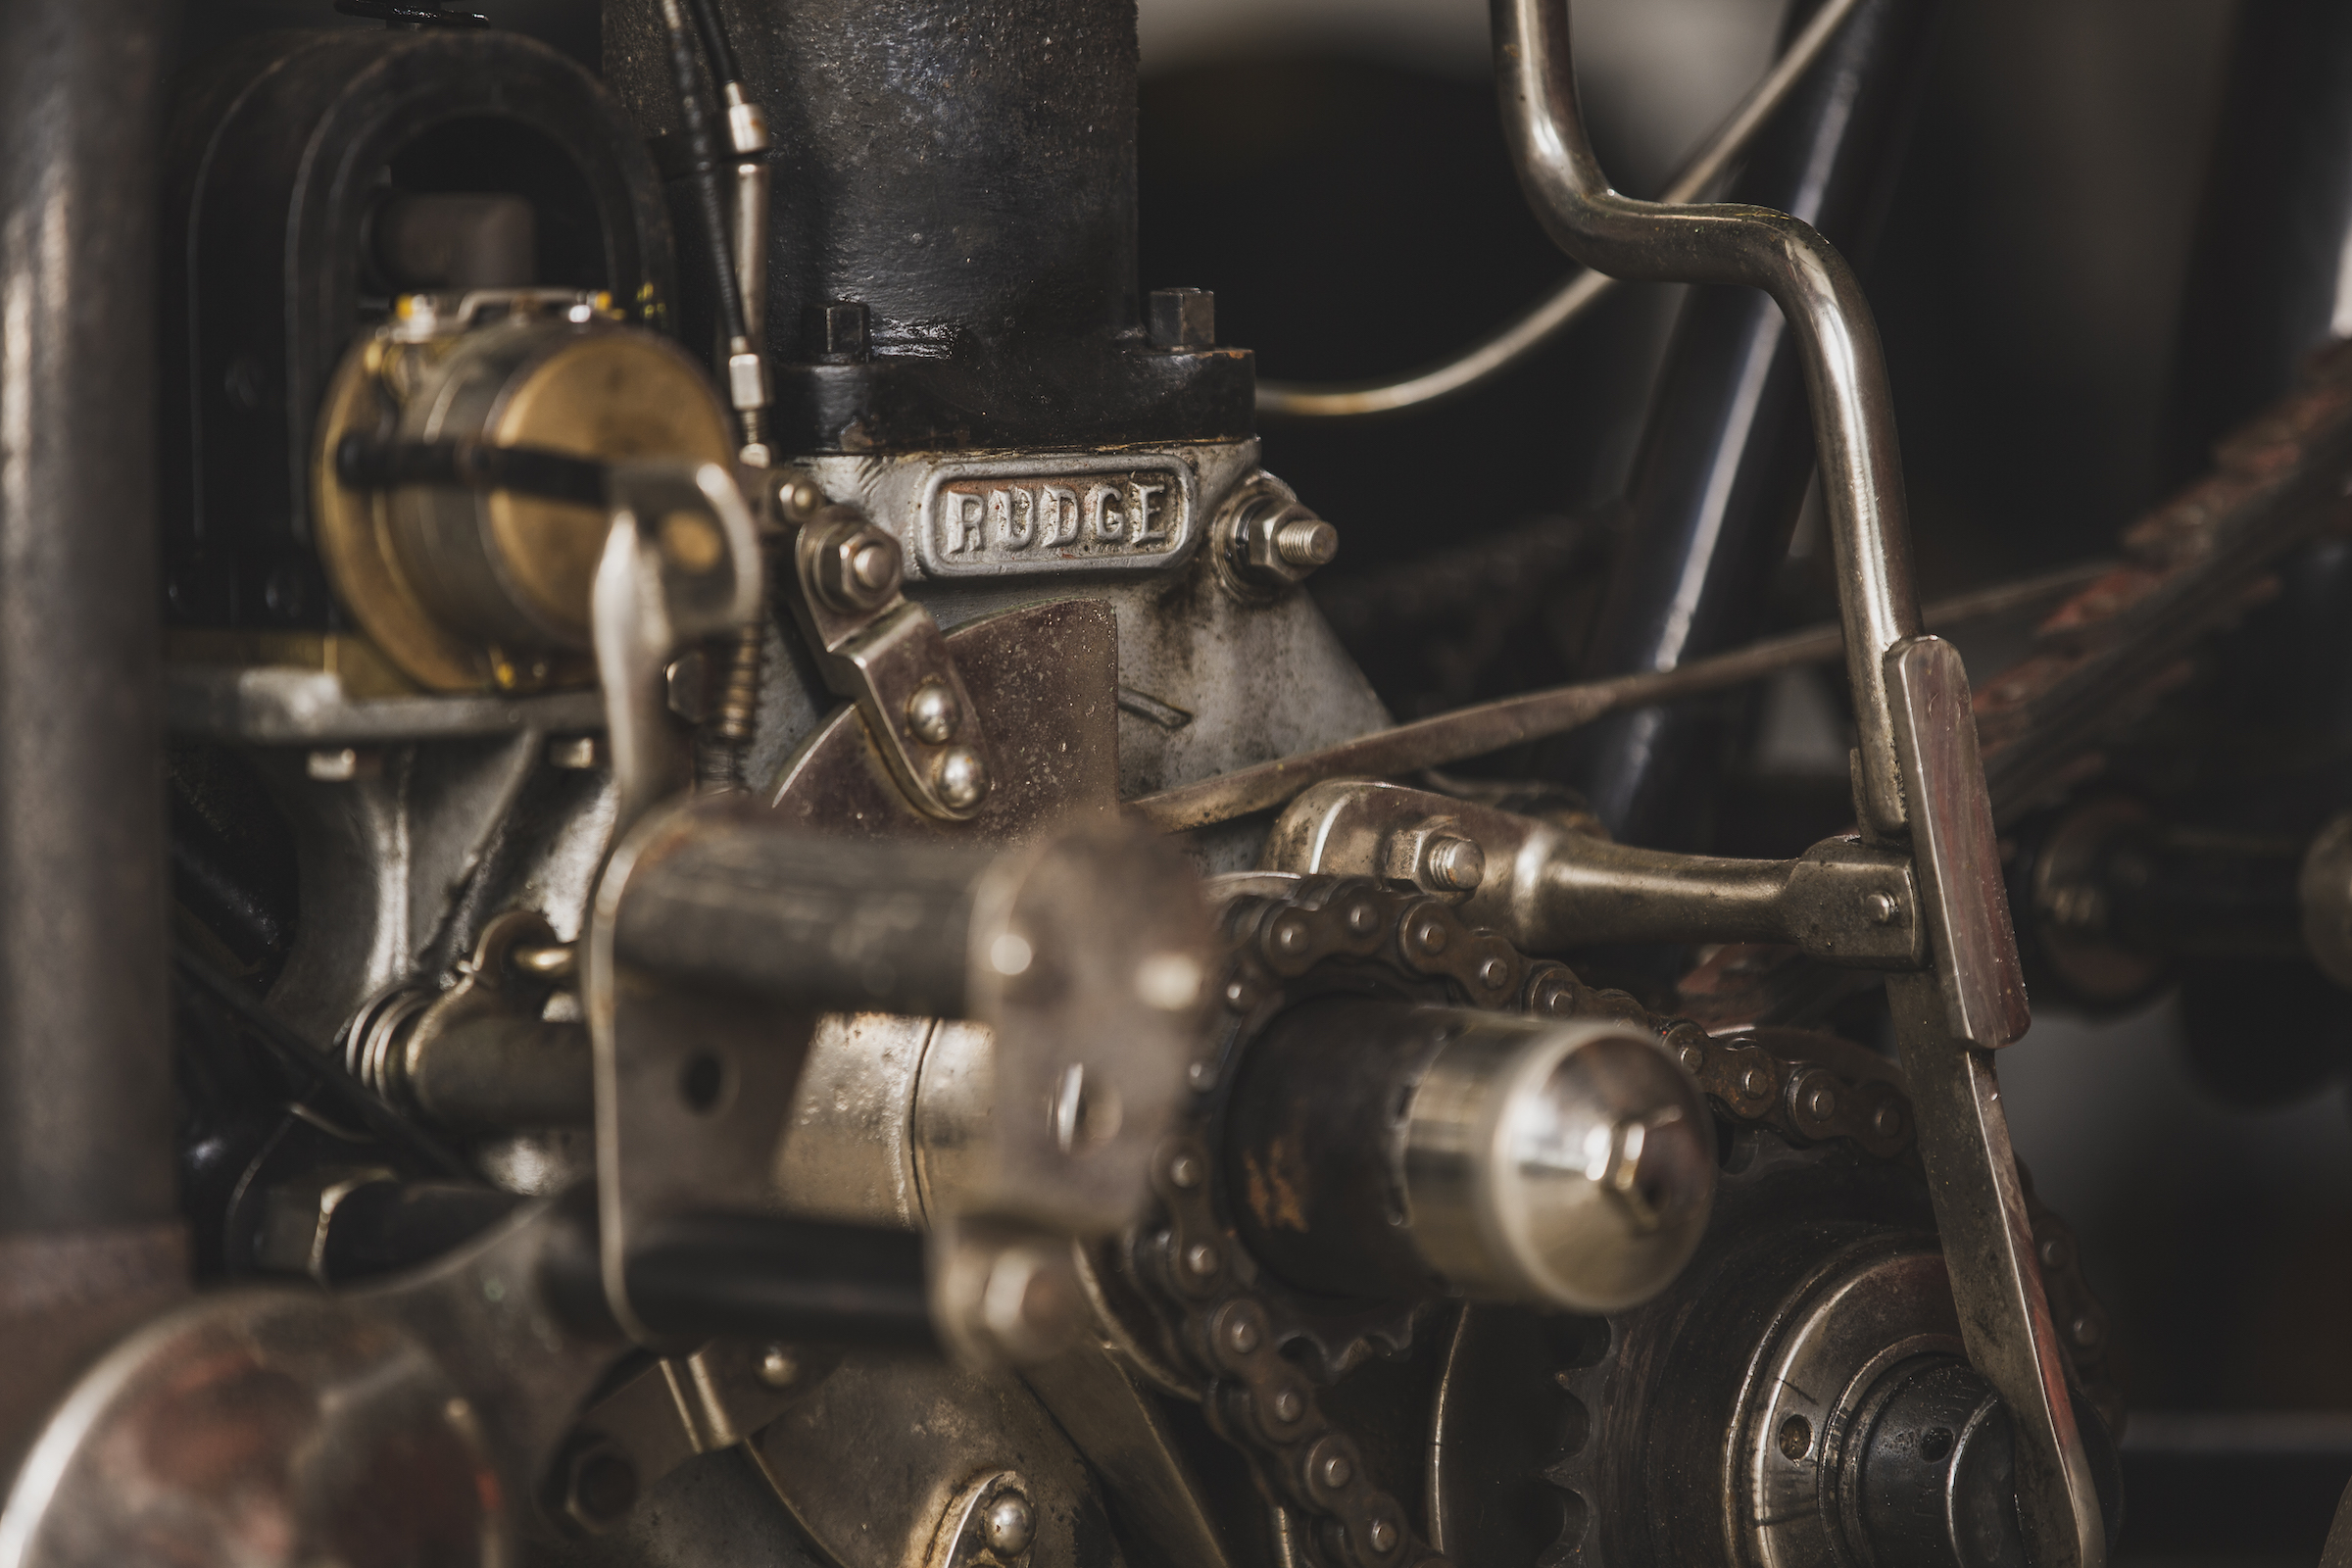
column 1916, row 738
column 1845, row 373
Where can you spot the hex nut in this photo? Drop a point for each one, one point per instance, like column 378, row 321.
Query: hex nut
column 1263, row 541
column 1182, row 318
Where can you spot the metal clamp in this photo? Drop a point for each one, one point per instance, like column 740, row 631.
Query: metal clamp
column 884, row 652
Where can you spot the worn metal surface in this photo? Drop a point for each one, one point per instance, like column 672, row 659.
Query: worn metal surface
column 1485, row 727
column 874, row 1461
column 1549, row 887
column 85, row 1082
column 1043, row 683
column 1538, row 325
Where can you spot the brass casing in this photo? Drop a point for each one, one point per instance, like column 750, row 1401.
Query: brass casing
column 463, row 589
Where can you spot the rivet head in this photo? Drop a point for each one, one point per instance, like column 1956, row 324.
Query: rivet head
column 2054, row 1253
column 1886, row 1120
column 1382, row 1535
column 1241, row 1336
column 1288, row 1407
column 779, row 1368
column 1821, row 1102
column 1755, row 1082
column 1430, row 935
column 1494, row 972
column 1362, row 918
column 2085, row 1330
column 1292, row 936
column 1880, row 908
column 933, row 713
column 1009, row 1525
column 1692, row 1058
column 960, row 779
column 1200, row 1259
column 1335, row 1471
column 1185, row 1171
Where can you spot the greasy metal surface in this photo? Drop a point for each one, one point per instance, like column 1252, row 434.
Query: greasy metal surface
column 871, row 1460
column 1043, row 680
column 1118, row 1424
column 278, row 705
column 1548, row 887
column 86, row 1079
column 847, row 1151
column 1845, row 373
column 1989, row 1245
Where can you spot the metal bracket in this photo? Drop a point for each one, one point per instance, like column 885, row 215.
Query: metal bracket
column 681, row 562
column 1546, row 886
column 884, row 652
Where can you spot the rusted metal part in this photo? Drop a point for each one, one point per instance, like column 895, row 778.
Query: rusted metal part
column 2189, row 568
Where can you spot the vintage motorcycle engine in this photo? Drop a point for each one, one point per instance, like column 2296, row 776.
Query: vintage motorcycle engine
column 792, row 939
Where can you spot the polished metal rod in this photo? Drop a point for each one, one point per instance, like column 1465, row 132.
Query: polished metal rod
column 1535, row 715
column 1541, row 323
column 1845, row 371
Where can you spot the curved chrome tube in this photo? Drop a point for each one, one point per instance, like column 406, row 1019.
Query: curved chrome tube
column 1845, row 373
column 1548, row 317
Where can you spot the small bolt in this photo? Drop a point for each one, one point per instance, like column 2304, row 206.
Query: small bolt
column 1881, row 908
column 779, row 1368
column 1306, row 543
column 1241, row 1335
column 960, row 779
column 1008, row 1526
column 1200, row 1259
column 855, row 566
column 1288, row 1407
column 1185, row 1171
column 1335, row 1471
column 1382, row 1535
column 1453, row 865
column 933, row 713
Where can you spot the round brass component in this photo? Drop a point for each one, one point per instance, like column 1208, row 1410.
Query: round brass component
column 470, row 589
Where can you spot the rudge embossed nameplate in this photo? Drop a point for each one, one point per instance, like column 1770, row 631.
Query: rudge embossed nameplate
column 997, row 517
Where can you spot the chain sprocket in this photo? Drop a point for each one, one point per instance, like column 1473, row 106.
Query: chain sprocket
column 1228, row 1323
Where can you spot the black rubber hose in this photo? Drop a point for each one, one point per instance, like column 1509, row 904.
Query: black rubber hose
column 702, row 156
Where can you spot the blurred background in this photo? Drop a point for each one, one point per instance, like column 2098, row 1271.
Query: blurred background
column 2077, row 294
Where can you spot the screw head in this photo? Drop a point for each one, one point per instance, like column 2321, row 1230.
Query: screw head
column 960, row 779
column 1009, row 1525
column 1453, row 863
column 933, row 713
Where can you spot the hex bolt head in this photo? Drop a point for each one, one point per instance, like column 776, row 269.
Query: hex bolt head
column 1009, row 1525
column 960, row 779
column 934, row 713
column 1306, row 543
column 1453, row 863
